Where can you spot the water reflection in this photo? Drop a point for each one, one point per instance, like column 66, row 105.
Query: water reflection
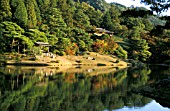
column 70, row 89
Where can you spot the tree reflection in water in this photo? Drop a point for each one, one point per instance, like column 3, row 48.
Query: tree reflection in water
column 27, row 91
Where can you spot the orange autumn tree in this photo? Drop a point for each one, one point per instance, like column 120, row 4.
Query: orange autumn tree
column 99, row 46
column 105, row 46
column 71, row 50
column 111, row 45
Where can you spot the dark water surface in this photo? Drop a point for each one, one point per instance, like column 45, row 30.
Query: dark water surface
column 77, row 89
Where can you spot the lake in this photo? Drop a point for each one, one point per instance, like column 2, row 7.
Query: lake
column 78, row 89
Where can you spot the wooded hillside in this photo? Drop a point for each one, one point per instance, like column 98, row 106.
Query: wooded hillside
column 70, row 27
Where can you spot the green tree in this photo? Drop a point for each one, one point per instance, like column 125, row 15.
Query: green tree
column 40, row 3
column 32, row 18
column 38, row 13
column 148, row 24
column 67, row 8
column 5, row 10
column 36, row 36
column 44, row 6
column 12, row 36
column 111, row 20
column 93, row 14
column 135, row 32
column 131, row 22
column 107, row 21
column 114, row 14
column 19, row 12
column 62, row 45
column 81, row 38
column 53, row 3
column 121, row 53
column 101, row 5
column 81, row 20
column 139, row 49
column 55, row 21
column 166, row 33
column 124, row 32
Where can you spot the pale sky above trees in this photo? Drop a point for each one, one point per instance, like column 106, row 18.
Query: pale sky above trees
column 128, row 3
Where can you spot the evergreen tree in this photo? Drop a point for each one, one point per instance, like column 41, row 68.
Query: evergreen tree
column 32, row 19
column 114, row 14
column 67, row 8
column 139, row 49
column 44, row 6
column 12, row 35
column 135, row 32
column 20, row 12
column 55, row 21
column 81, row 20
column 53, row 3
column 5, row 10
column 107, row 21
column 40, row 3
column 94, row 15
column 148, row 24
column 38, row 13
column 36, row 36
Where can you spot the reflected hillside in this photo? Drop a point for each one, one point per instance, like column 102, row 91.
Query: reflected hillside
column 158, row 87
column 88, row 70
column 26, row 90
column 158, row 74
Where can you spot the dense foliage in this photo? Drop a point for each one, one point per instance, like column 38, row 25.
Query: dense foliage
column 70, row 27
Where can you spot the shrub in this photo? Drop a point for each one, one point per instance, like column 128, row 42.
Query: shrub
column 62, row 53
column 117, row 61
column 57, row 61
column 101, row 64
column 33, row 59
column 78, row 61
column 53, row 61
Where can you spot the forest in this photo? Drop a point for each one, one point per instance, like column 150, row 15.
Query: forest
column 70, row 27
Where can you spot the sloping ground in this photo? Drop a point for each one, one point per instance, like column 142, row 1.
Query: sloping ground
column 91, row 59
column 96, row 59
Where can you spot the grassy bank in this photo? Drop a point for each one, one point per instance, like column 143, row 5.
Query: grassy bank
column 90, row 59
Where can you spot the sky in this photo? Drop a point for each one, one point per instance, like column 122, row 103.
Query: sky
column 128, row 3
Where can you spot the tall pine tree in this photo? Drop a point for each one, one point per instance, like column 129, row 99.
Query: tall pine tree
column 67, row 8
column 5, row 10
column 81, row 20
column 20, row 12
column 55, row 21
column 38, row 13
column 32, row 19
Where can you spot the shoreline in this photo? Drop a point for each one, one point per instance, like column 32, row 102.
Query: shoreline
column 92, row 59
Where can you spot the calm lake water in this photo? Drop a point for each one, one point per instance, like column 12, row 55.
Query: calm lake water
column 77, row 89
